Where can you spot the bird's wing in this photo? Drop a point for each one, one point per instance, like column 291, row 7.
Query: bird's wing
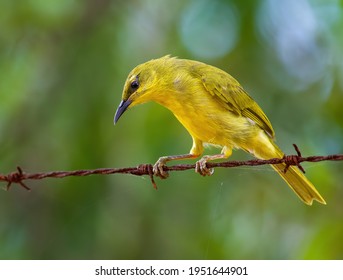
column 224, row 87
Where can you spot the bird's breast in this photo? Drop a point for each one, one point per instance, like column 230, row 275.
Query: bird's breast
column 206, row 119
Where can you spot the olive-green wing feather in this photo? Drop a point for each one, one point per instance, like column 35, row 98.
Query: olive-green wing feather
column 223, row 86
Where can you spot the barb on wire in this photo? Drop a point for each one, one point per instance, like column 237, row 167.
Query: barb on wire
column 19, row 176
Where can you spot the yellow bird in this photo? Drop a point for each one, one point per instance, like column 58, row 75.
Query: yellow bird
column 215, row 110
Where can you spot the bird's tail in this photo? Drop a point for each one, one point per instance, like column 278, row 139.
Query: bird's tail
column 293, row 176
column 299, row 183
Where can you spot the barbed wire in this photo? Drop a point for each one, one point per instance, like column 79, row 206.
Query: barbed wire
column 19, row 176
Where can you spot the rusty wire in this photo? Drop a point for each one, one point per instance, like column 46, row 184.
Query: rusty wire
column 19, row 176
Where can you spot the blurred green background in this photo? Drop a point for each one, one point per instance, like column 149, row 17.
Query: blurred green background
column 62, row 68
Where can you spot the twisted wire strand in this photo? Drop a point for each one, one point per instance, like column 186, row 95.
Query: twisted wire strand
column 19, row 176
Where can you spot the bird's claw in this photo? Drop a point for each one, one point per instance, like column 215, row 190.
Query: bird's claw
column 202, row 169
column 158, row 168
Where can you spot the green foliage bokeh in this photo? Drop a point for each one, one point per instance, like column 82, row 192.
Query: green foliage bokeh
column 62, row 68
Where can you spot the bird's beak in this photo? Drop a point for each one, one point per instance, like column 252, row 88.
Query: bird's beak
column 124, row 104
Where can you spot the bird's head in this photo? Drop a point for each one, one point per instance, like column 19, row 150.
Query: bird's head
column 143, row 84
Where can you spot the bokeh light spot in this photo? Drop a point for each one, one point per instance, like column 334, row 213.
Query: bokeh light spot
column 209, row 29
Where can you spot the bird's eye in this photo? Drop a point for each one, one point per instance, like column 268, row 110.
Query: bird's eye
column 134, row 85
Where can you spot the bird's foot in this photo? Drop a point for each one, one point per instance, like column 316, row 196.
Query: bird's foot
column 158, row 168
column 201, row 167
